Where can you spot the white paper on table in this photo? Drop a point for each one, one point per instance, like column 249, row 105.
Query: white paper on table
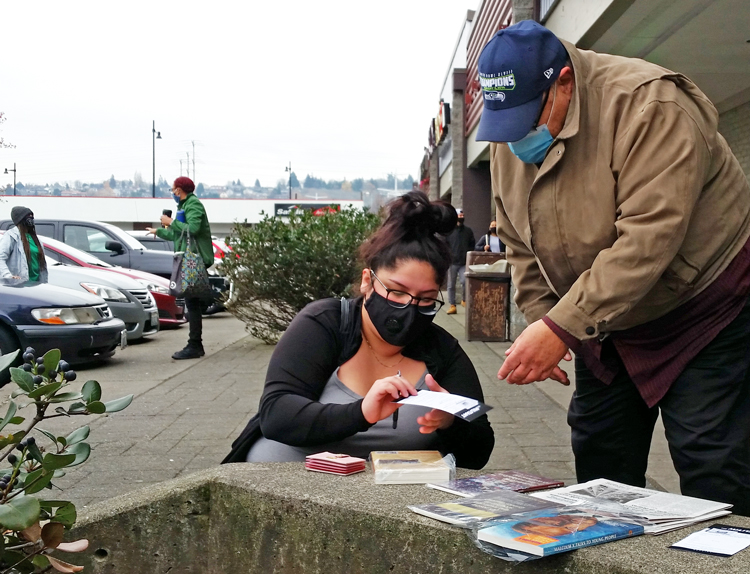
column 717, row 539
column 462, row 407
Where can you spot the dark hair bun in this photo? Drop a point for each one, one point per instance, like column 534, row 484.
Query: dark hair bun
column 416, row 214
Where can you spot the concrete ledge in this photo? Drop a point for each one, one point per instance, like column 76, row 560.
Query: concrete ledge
column 266, row 518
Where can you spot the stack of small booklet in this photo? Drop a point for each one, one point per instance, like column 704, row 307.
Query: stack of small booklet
column 334, row 463
column 411, row 466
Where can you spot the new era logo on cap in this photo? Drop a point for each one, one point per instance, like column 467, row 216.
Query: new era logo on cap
column 515, row 68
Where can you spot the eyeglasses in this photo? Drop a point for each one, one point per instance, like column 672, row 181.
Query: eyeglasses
column 402, row 299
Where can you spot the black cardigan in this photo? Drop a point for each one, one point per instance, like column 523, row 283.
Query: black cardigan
column 313, row 347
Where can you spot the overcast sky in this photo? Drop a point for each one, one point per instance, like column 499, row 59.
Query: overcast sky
column 339, row 88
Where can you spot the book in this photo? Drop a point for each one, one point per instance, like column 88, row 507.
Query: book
column 410, row 467
column 470, row 511
column 333, row 463
column 504, row 480
column 718, row 539
column 552, row 531
column 658, row 511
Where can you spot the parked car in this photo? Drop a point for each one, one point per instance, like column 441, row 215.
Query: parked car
column 150, row 241
column 47, row 317
column 171, row 310
column 105, row 241
column 127, row 299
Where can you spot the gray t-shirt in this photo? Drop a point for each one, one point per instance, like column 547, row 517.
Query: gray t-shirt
column 380, row 436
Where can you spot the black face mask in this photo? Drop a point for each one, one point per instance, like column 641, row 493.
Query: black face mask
column 493, row 230
column 398, row 327
column 460, row 222
column 29, row 222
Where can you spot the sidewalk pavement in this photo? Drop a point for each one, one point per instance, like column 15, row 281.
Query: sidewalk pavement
column 186, row 413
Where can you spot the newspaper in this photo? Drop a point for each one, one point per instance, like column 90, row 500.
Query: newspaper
column 658, row 511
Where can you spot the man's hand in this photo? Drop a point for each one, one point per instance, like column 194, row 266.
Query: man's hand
column 534, row 356
column 166, row 221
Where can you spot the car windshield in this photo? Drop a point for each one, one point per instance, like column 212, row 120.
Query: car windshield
column 124, row 237
column 73, row 252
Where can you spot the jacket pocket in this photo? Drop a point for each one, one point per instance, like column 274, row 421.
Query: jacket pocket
column 680, row 275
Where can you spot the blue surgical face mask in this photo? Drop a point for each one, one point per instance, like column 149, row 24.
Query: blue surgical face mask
column 533, row 147
column 176, row 198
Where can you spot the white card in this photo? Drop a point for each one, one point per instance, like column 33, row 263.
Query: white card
column 463, row 407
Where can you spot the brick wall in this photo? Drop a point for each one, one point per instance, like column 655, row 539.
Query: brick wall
column 734, row 125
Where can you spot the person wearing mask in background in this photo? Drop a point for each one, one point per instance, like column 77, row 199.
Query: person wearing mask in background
column 461, row 241
column 490, row 241
column 196, row 224
column 21, row 252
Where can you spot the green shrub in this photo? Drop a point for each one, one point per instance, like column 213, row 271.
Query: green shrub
column 284, row 264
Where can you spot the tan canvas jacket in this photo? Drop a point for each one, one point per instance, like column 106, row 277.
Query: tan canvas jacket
column 637, row 207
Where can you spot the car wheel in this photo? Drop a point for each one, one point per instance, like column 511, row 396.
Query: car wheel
column 8, row 344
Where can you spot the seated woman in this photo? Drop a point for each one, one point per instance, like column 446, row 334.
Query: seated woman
column 336, row 371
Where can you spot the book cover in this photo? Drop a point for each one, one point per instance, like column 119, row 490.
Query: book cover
column 334, row 463
column 552, row 531
column 505, row 480
column 409, row 467
column 469, row 511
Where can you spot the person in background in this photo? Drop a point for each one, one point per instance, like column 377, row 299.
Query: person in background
column 196, row 224
column 461, row 241
column 21, row 252
column 490, row 241
column 340, row 365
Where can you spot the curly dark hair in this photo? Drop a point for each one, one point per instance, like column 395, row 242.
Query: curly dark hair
column 414, row 229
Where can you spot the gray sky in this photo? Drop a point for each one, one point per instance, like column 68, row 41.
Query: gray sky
column 339, row 88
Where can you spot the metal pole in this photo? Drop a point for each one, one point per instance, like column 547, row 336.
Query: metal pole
column 290, row 180
column 153, row 143
column 194, row 180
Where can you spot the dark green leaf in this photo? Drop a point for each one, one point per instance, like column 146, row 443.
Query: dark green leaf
column 37, row 481
column 91, row 391
column 19, row 512
column 78, row 435
column 34, row 451
column 40, row 561
column 12, row 408
column 51, row 360
column 77, row 408
column 81, row 450
column 23, row 379
column 8, row 359
column 48, row 434
column 64, row 397
column 54, row 461
column 96, row 408
column 17, row 420
column 66, row 515
column 118, row 404
column 44, row 390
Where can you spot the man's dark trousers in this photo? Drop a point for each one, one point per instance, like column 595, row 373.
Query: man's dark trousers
column 706, row 415
column 195, row 321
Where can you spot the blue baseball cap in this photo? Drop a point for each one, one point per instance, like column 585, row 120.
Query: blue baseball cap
column 515, row 68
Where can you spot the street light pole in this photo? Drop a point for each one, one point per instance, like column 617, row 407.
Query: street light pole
column 14, row 176
column 289, row 169
column 154, row 136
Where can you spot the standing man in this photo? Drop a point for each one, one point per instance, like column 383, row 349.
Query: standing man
column 490, row 242
column 196, row 224
column 461, row 241
column 626, row 219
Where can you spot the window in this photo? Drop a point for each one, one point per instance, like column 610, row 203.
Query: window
column 86, row 238
column 45, row 229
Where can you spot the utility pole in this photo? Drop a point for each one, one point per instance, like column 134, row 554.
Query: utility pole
column 180, row 168
column 187, row 165
column 14, row 176
column 289, row 169
column 194, row 180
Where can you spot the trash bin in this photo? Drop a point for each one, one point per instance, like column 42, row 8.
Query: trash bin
column 487, row 298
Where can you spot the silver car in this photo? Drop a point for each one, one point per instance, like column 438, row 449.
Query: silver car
column 128, row 300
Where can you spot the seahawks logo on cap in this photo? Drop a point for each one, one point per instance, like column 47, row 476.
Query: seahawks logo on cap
column 494, row 96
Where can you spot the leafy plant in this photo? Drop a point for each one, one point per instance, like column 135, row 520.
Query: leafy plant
column 32, row 525
column 282, row 265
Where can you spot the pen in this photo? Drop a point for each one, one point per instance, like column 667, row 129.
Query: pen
column 395, row 413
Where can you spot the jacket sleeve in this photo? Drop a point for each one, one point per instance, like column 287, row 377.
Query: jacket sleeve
column 659, row 180
column 479, row 246
column 166, row 233
column 470, row 442
column 6, row 247
column 300, row 366
column 534, row 296
column 194, row 216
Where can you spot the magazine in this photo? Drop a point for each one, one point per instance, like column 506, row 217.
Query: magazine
column 659, row 511
column 504, row 480
column 552, row 531
column 719, row 540
column 470, row 511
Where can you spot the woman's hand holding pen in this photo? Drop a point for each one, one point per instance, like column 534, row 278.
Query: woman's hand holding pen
column 435, row 419
column 378, row 402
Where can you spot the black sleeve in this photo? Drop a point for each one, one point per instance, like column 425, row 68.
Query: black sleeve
column 470, row 442
column 300, row 366
column 481, row 243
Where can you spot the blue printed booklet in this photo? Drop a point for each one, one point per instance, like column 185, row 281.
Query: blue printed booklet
column 555, row 530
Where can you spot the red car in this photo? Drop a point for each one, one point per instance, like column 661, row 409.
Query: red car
column 171, row 310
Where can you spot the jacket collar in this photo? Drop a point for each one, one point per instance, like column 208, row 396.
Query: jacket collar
column 573, row 118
